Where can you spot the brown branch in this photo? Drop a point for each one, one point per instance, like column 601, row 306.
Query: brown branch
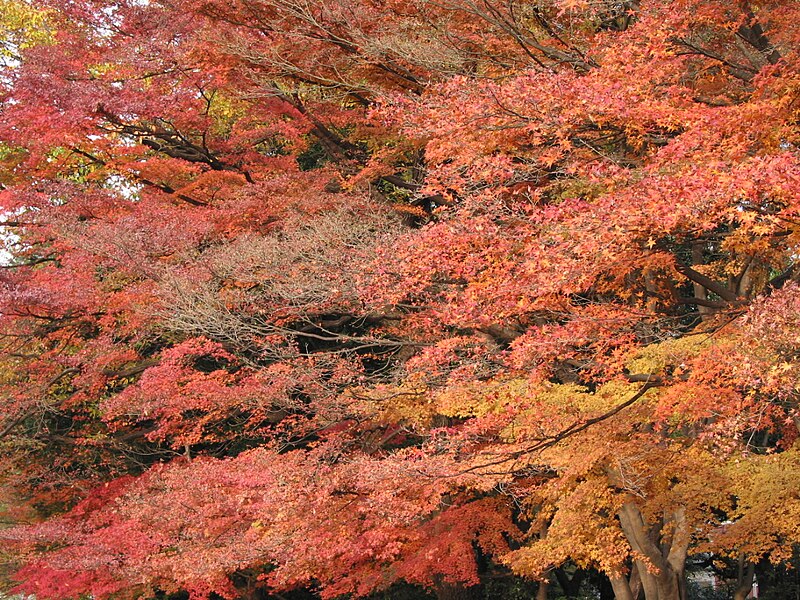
column 131, row 370
column 160, row 186
column 780, row 280
column 742, row 72
column 53, row 380
column 708, row 283
column 401, row 183
column 30, row 263
column 337, row 147
column 19, row 224
column 652, row 381
column 752, row 33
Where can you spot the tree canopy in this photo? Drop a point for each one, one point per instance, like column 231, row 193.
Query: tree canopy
column 329, row 296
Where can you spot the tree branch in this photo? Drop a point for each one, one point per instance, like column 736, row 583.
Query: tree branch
column 14, row 422
column 708, row 283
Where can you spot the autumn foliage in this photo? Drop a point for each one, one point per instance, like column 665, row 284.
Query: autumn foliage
column 329, row 297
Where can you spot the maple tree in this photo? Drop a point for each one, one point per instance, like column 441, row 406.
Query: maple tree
column 332, row 296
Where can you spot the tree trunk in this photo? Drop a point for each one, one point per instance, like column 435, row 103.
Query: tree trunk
column 541, row 590
column 663, row 546
column 744, row 579
column 622, row 590
column 699, row 291
column 628, row 588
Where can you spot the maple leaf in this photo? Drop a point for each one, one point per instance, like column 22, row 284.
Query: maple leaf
column 343, row 296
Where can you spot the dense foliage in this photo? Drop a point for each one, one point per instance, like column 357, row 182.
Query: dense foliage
column 343, row 296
